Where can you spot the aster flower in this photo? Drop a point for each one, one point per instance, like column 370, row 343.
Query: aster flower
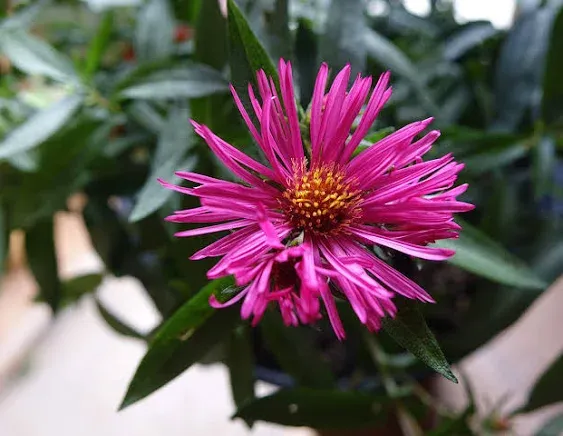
column 302, row 227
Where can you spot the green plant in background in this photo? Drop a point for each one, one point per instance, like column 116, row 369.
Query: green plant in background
column 96, row 100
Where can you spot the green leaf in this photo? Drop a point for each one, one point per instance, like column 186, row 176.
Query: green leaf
column 116, row 324
column 318, row 408
column 211, row 35
column 409, row 330
column 552, row 102
column 494, row 159
column 154, row 35
column 477, row 253
column 186, row 337
column 466, row 38
column 240, row 361
column 186, row 82
column 39, row 127
column 77, row 287
column 246, row 54
column 146, row 115
column 543, row 160
column 277, row 29
column 98, row 44
column 547, row 389
column 295, row 354
column 35, row 57
column 390, row 56
column 42, row 260
column 306, row 60
column 343, row 40
column 174, row 141
column 520, row 67
column 553, row 427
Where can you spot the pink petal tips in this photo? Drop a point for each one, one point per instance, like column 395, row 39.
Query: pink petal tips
column 300, row 226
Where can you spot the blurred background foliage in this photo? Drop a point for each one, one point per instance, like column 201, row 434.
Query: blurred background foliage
column 95, row 97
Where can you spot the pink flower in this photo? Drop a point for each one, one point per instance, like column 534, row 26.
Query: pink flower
column 301, row 227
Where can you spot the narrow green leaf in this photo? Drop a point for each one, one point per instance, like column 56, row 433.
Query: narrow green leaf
column 187, row 82
column 39, row 127
column 553, row 427
column 318, row 408
column 467, row 37
column 410, row 331
column 295, row 353
column 306, row 60
column 35, row 57
column 343, row 40
column 390, row 56
column 79, row 286
column 277, row 29
column 146, row 115
column 547, row 389
column 98, row 44
column 154, row 35
column 240, row 361
column 494, row 159
column 211, row 35
column 246, row 53
column 552, row 101
column 174, row 141
column 187, row 336
column 520, row 67
column 116, row 324
column 477, row 253
column 543, row 160
column 42, row 260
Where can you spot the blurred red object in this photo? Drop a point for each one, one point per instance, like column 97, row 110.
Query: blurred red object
column 183, row 33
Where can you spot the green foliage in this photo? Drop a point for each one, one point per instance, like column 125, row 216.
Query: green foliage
column 99, row 101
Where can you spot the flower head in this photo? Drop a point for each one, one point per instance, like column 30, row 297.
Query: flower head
column 302, row 226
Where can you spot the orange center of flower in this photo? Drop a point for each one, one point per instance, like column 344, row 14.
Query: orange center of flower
column 321, row 199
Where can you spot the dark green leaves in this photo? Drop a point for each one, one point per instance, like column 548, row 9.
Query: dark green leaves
column 520, row 67
column 190, row 81
column 246, row 53
column 318, row 408
column 295, row 353
column 39, row 127
column 154, row 36
column 343, row 40
column 547, row 389
column 466, row 38
column 552, row 102
column 211, row 35
column 174, row 141
column 391, row 57
column 477, row 253
column 240, row 361
column 409, row 329
column 42, row 259
column 185, row 338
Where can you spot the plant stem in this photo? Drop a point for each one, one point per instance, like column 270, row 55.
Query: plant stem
column 407, row 422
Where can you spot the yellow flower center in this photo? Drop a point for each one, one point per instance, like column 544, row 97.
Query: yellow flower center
column 321, row 199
